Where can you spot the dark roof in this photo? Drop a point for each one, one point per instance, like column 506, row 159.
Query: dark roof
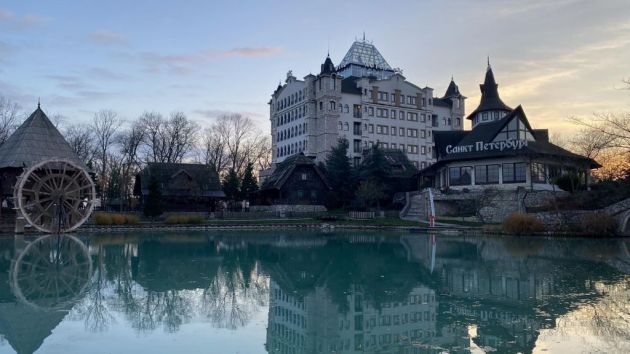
column 486, row 132
column 36, row 140
column 452, row 90
column 284, row 169
column 204, row 180
column 399, row 163
column 490, row 100
column 349, row 85
column 328, row 67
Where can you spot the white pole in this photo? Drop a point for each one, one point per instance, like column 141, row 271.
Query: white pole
column 431, row 209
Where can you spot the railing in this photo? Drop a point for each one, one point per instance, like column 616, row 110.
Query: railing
column 362, row 215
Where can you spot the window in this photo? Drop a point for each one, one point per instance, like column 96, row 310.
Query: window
column 423, row 133
column 371, row 128
column 459, row 176
column 402, row 115
column 313, row 194
column 393, row 130
column 487, row 174
column 412, row 116
column 458, row 121
column 340, row 125
column 300, row 193
column 356, row 144
column 393, row 145
column 346, row 126
column 356, row 111
column 304, row 177
column 412, row 149
column 538, row 173
column 423, row 150
column 356, row 128
column 423, row 118
column 371, row 111
column 413, row 133
column 382, row 129
column 514, row 172
column 393, row 114
column 401, row 132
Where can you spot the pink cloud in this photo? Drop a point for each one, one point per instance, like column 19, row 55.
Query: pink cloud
column 252, row 52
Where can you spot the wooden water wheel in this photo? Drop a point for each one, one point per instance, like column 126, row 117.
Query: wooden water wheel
column 55, row 196
column 51, row 272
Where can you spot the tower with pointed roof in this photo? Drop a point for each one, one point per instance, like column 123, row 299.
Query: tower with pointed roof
column 491, row 108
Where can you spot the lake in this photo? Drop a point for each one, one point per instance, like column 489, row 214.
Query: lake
column 300, row 291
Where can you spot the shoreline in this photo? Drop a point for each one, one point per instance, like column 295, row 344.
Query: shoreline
column 443, row 229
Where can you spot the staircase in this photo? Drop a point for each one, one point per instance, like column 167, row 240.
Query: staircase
column 415, row 208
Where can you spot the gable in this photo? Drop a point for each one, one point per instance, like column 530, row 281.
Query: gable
column 516, row 128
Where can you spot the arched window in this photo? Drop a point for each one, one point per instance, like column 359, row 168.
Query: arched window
column 458, row 122
column 333, row 106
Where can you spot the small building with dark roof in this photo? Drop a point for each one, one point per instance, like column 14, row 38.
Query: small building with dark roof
column 295, row 181
column 184, row 186
column 501, row 151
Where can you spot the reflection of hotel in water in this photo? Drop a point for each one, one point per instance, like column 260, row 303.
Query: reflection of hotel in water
column 315, row 324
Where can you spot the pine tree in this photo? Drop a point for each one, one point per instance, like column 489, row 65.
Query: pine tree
column 231, row 185
column 248, row 184
column 153, row 205
column 338, row 172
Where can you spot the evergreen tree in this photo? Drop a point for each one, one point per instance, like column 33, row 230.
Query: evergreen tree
column 375, row 166
column 339, row 173
column 248, row 184
column 153, row 206
column 231, row 185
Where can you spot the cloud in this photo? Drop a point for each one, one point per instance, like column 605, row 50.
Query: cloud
column 107, row 74
column 183, row 64
column 21, row 22
column 106, row 38
column 216, row 113
column 252, row 52
column 68, row 82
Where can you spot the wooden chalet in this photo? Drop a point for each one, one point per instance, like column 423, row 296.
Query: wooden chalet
column 295, row 181
column 183, row 186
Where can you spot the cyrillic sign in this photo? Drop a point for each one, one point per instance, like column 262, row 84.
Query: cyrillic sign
column 480, row 146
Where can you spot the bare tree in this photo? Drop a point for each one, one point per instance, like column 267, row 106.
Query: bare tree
column 214, row 150
column 129, row 142
column 81, row 140
column 590, row 142
column 241, row 141
column 104, row 126
column 168, row 140
column 10, row 115
column 613, row 129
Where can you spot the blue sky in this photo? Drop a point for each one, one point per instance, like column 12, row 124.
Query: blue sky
column 557, row 58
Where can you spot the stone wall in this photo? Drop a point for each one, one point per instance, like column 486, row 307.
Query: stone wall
column 489, row 206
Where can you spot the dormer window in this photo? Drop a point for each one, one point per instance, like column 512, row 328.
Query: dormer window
column 484, row 116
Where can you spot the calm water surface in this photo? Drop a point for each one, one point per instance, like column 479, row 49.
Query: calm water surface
column 300, row 292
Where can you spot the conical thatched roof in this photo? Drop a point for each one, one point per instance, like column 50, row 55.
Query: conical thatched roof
column 37, row 139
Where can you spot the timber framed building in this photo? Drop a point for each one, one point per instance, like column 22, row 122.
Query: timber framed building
column 501, row 151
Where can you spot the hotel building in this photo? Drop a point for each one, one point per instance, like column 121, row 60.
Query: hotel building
column 364, row 100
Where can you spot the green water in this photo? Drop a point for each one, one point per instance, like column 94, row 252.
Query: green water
column 308, row 292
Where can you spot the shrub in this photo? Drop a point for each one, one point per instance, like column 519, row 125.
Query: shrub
column 131, row 219
column 115, row 219
column 599, row 224
column 118, row 219
column 521, row 224
column 184, row 219
column 102, row 219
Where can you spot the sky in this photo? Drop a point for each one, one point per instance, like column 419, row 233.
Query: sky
column 558, row 59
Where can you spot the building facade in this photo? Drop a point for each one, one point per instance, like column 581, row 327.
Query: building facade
column 502, row 151
column 367, row 102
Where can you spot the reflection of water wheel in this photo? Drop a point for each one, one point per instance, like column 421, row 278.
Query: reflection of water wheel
column 51, row 271
column 55, row 195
